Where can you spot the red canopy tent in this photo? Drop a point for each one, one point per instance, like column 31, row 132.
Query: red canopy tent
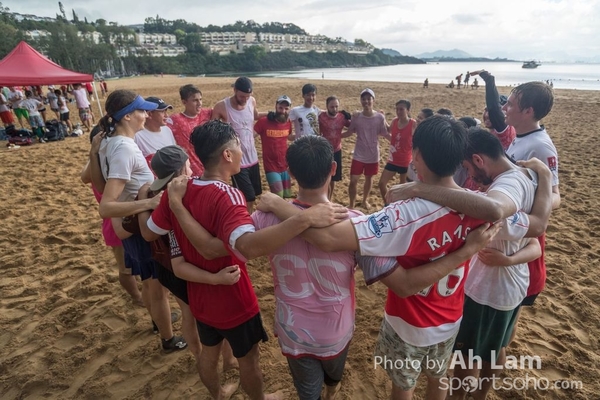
column 24, row 66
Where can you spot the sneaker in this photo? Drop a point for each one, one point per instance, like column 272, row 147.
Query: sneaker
column 174, row 344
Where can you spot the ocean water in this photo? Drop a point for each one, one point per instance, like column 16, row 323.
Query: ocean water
column 563, row 76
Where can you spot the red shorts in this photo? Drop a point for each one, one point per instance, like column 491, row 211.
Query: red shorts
column 7, row 117
column 360, row 168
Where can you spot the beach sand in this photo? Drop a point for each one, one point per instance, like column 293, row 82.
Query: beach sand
column 70, row 332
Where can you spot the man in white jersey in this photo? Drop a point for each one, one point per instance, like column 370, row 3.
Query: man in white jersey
column 240, row 112
column 156, row 134
column 305, row 117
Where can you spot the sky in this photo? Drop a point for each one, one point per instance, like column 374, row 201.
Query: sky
column 552, row 30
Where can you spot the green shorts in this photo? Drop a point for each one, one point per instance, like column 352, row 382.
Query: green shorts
column 484, row 330
column 403, row 362
column 21, row 112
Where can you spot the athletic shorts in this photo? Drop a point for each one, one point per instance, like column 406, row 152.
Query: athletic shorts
column 140, row 254
column 21, row 113
column 242, row 338
column 7, row 117
column 395, row 168
column 529, row 300
column 109, row 235
column 64, row 116
column 248, row 182
column 361, row 168
column 176, row 285
column 337, row 157
column 279, row 183
column 36, row 121
column 310, row 373
column 484, row 329
column 407, row 361
column 84, row 114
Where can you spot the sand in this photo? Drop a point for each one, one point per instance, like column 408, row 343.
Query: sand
column 70, row 332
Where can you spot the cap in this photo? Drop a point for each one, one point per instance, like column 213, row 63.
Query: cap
column 367, row 91
column 503, row 99
column 283, row 98
column 243, row 84
column 160, row 102
column 165, row 163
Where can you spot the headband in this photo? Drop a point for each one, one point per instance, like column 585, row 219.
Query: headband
column 137, row 104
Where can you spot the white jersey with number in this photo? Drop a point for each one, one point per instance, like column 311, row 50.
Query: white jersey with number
column 417, row 231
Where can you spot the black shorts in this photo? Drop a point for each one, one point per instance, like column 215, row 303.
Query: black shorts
column 64, row 116
column 248, row 181
column 140, row 254
column 529, row 300
column 241, row 338
column 395, row 168
column 176, row 285
column 337, row 157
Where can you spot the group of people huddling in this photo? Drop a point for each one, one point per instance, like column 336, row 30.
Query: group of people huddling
column 178, row 193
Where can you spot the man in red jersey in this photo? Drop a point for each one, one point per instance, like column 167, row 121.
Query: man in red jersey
column 275, row 130
column 331, row 124
column 183, row 124
column 227, row 312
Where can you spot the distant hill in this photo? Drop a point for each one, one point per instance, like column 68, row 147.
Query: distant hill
column 454, row 53
column 391, row 52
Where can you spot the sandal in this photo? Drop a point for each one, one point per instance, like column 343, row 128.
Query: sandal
column 173, row 344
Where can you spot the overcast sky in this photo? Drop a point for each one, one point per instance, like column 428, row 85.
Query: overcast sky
column 544, row 29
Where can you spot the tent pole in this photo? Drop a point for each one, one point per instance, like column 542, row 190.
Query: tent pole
column 97, row 98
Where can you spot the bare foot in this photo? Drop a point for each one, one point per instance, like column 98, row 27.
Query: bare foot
column 229, row 389
column 331, row 392
column 366, row 205
column 278, row 395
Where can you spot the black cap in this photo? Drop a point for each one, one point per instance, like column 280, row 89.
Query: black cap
column 161, row 104
column 165, row 163
column 243, row 84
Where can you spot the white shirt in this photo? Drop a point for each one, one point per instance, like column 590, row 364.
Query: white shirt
column 536, row 144
column 81, row 98
column 4, row 107
column 31, row 105
column 15, row 98
column 150, row 142
column 305, row 120
column 504, row 288
column 121, row 158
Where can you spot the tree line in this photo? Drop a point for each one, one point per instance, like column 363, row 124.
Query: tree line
column 79, row 53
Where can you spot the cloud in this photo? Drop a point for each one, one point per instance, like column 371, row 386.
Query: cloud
column 469, row 19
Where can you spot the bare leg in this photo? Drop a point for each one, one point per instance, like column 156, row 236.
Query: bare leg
column 399, row 394
column 229, row 361
column 209, row 373
column 514, row 331
column 160, row 311
column 434, row 390
column 367, row 190
column 331, row 392
column 459, row 373
column 251, row 377
column 386, row 175
column 189, row 330
column 250, row 206
column 352, row 190
column 127, row 281
column 331, row 187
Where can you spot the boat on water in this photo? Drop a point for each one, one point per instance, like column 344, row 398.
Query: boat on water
column 531, row 64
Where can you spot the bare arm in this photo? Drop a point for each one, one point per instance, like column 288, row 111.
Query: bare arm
column 96, row 176
column 542, row 205
column 219, row 111
column 265, row 241
column 111, row 207
column 406, row 282
column 189, row 272
column 337, row 237
column 86, row 174
column 489, row 208
column 555, row 197
column 492, row 257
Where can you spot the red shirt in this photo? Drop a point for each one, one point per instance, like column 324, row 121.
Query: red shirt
column 221, row 210
column 506, row 136
column 274, row 137
column 401, row 144
column 182, row 127
column 331, row 128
